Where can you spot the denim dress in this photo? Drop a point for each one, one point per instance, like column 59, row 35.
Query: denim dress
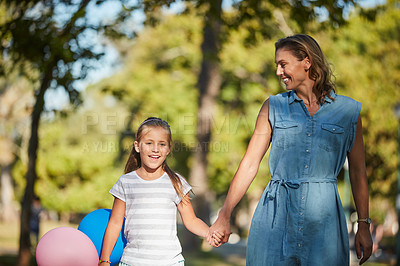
column 299, row 219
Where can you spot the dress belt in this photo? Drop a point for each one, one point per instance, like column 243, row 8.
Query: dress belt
column 273, row 192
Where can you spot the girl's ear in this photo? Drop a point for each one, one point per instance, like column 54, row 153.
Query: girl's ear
column 136, row 144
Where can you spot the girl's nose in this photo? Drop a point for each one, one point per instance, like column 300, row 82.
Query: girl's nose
column 156, row 148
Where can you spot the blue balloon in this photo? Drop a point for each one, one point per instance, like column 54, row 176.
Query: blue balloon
column 94, row 226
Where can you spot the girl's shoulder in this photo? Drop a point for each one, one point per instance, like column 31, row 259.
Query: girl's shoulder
column 133, row 173
column 181, row 177
column 130, row 175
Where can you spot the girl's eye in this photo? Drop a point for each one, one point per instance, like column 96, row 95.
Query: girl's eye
column 163, row 144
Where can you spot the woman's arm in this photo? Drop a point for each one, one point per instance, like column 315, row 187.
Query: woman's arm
column 247, row 170
column 359, row 185
column 113, row 229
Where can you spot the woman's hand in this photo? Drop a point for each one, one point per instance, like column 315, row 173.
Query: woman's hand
column 221, row 225
column 215, row 238
column 364, row 241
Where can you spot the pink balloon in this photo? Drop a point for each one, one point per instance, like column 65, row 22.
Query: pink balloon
column 66, row 246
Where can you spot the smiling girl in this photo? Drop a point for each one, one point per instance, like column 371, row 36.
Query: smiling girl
column 148, row 195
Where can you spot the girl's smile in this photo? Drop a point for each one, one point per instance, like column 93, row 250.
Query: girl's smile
column 153, row 148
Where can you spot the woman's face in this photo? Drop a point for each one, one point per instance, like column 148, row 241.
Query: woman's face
column 290, row 70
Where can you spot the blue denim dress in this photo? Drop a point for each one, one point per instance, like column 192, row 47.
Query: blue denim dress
column 299, row 219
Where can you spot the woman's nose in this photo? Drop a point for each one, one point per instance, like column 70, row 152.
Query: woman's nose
column 279, row 71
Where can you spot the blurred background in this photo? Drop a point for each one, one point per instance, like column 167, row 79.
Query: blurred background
column 77, row 77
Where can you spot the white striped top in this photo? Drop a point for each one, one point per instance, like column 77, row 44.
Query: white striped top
column 150, row 225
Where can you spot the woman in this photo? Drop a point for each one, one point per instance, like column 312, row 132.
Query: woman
column 299, row 219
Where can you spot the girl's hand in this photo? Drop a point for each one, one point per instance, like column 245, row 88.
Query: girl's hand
column 217, row 237
column 221, row 225
column 214, row 239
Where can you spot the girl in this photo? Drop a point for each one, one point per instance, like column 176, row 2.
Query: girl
column 148, row 195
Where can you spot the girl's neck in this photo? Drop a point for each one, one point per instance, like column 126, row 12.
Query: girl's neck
column 149, row 174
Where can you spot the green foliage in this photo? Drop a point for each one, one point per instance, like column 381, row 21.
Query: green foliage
column 367, row 65
column 75, row 166
column 82, row 156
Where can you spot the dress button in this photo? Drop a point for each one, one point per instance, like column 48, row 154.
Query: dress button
column 309, row 134
column 306, row 166
column 307, row 151
column 302, row 197
column 301, row 213
column 299, row 245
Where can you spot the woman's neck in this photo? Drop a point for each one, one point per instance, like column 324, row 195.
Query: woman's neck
column 310, row 101
column 309, row 97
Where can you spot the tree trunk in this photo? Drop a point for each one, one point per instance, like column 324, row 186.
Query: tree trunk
column 209, row 86
column 24, row 253
column 9, row 213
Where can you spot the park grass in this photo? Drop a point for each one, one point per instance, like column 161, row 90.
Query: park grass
column 9, row 234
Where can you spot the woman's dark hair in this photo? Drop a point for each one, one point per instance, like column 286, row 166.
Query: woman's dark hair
column 303, row 46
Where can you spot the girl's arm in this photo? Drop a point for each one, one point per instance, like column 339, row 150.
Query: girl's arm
column 195, row 224
column 359, row 186
column 248, row 168
column 112, row 231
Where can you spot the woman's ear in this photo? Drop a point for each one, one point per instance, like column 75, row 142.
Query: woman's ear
column 136, row 144
column 307, row 64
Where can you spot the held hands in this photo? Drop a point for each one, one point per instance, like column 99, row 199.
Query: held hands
column 214, row 238
column 222, row 225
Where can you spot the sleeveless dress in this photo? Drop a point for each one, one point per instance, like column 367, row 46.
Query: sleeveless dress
column 299, row 219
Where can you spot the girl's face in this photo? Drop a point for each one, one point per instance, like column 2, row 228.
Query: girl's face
column 292, row 72
column 153, row 148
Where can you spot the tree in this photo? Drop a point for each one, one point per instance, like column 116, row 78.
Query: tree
column 14, row 116
column 35, row 33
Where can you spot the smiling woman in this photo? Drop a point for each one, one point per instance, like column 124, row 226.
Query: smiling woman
column 310, row 131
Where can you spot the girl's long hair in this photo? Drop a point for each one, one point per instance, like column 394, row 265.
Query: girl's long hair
column 302, row 46
column 134, row 162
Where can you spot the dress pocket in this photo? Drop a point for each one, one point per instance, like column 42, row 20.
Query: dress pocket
column 285, row 134
column 331, row 137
